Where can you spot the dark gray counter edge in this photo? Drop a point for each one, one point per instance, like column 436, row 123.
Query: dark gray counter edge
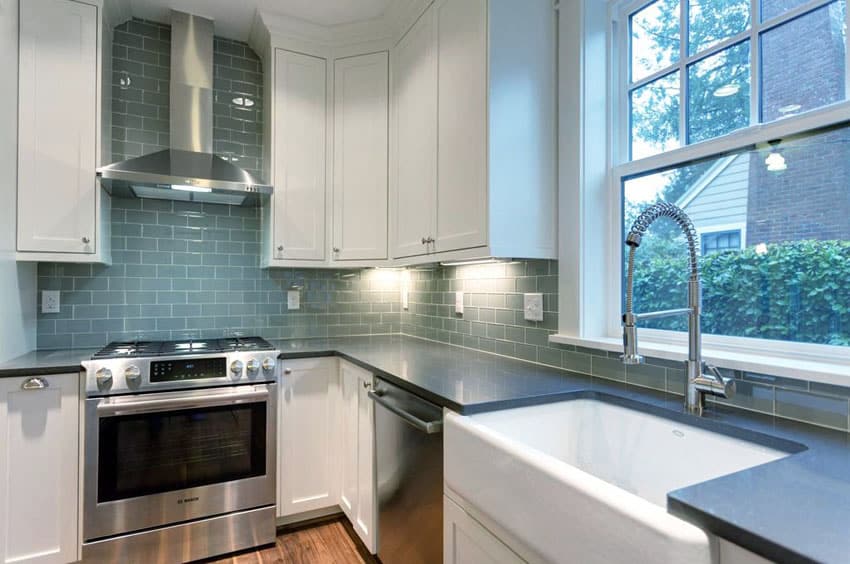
column 41, row 370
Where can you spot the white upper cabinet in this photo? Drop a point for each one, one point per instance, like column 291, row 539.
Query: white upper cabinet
column 308, row 430
column 462, row 118
column 414, row 141
column 39, row 469
column 298, row 205
column 474, row 127
column 361, row 95
column 59, row 207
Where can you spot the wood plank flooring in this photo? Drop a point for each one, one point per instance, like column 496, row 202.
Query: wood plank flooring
column 325, row 543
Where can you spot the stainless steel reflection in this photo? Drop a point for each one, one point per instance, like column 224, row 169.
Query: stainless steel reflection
column 155, row 510
column 409, row 452
column 187, row 542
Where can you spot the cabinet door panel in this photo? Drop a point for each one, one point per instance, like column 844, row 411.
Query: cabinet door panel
column 415, row 138
column 348, row 436
column 299, row 153
column 39, row 470
column 307, row 428
column 462, row 140
column 466, row 541
column 360, row 157
column 57, row 125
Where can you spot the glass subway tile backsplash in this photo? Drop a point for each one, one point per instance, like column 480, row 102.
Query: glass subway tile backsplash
column 183, row 269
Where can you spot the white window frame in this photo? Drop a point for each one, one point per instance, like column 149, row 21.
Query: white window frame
column 593, row 155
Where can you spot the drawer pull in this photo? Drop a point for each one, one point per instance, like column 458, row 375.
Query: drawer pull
column 35, row 384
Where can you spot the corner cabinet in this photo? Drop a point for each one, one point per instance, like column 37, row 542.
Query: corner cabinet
column 361, row 99
column 62, row 213
column 357, row 465
column 296, row 215
column 39, row 469
column 473, row 155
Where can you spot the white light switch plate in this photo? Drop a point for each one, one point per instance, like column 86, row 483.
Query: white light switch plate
column 459, row 302
column 293, row 299
column 50, row 301
column 533, row 307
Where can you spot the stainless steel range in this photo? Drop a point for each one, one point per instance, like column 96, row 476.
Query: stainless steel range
column 179, row 450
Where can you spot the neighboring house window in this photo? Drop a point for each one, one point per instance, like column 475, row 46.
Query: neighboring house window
column 721, row 241
column 737, row 111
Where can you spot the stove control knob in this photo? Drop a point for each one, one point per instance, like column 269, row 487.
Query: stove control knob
column 268, row 364
column 236, row 367
column 133, row 376
column 253, row 366
column 103, row 377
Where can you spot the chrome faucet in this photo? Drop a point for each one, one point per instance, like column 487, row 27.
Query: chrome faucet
column 699, row 384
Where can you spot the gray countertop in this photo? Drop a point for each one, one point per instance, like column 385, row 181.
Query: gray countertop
column 793, row 509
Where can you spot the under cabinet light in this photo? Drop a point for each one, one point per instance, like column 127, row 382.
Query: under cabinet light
column 472, row 261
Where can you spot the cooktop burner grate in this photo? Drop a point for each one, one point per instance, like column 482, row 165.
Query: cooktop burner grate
column 134, row 349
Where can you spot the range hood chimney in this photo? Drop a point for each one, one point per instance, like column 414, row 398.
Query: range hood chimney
column 188, row 171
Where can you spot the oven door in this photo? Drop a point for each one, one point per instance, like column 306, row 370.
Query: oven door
column 167, row 457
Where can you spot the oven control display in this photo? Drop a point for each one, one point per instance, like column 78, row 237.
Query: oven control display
column 188, row 369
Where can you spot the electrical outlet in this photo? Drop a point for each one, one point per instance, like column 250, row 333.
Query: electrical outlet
column 50, row 301
column 533, row 307
column 459, row 302
column 293, row 299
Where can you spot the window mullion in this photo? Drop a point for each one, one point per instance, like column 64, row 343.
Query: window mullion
column 755, row 63
column 683, row 77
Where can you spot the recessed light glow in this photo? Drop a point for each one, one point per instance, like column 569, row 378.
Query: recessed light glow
column 727, row 90
column 243, row 102
column 187, row 188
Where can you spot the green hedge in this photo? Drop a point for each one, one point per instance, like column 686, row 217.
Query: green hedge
column 797, row 291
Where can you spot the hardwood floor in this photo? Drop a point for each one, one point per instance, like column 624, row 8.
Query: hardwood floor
column 330, row 542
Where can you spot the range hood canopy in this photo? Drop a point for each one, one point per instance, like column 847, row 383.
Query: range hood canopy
column 187, row 171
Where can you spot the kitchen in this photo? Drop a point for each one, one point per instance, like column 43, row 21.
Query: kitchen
column 345, row 281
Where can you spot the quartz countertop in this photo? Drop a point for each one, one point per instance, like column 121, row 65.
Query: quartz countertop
column 793, row 509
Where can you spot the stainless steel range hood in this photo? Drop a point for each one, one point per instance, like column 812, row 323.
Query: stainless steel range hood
column 188, row 171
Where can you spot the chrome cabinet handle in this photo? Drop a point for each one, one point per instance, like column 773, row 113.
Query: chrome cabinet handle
column 287, row 371
column 280, row 247
column 424, row 241
column 35, row 384
column 86, row 240
column 336, row 249
column 367, row 384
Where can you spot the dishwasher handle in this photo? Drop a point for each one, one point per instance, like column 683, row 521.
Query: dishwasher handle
column 429, row 427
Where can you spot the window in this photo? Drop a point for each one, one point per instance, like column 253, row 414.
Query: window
column 718, row 241
column 736, row 110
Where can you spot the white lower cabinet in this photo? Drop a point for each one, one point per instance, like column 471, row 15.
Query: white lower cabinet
column 307, row 436
column 466, row 541
column 357, row 494
column 39, row 469
column 326, row 442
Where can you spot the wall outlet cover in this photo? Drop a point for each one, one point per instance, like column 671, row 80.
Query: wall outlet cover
column 459, row 303
column 293, row 299
column 533, row 307
column 50, row 301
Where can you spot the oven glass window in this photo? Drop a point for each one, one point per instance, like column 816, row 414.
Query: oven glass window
column 166, row 451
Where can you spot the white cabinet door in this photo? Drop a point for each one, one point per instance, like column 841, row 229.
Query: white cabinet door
column 462, row 118
column 299, row 157
column 357, row 496
column 307, row 430
column 39, row 469
column 414, row 139
column 57, row 126
column 360, row 157
column 466, row 541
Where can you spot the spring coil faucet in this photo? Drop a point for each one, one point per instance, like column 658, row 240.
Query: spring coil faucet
column 699, row 384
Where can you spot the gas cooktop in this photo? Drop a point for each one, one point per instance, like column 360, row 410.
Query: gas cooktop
column 136, row 349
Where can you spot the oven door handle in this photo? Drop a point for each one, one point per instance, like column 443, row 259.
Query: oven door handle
column 131, row 406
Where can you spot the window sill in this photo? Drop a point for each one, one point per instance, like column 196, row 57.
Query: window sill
column 762, row 363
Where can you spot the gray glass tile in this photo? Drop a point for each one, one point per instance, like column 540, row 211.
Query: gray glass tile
column 813, row 408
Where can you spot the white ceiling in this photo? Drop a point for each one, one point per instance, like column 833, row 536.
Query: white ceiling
column 233, row 18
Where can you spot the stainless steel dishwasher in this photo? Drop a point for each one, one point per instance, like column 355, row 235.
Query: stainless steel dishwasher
column 409, row 453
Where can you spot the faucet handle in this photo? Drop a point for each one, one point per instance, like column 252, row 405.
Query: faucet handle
column 715, row 383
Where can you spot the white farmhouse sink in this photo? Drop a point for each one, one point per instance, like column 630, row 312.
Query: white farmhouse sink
column 585, row 480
